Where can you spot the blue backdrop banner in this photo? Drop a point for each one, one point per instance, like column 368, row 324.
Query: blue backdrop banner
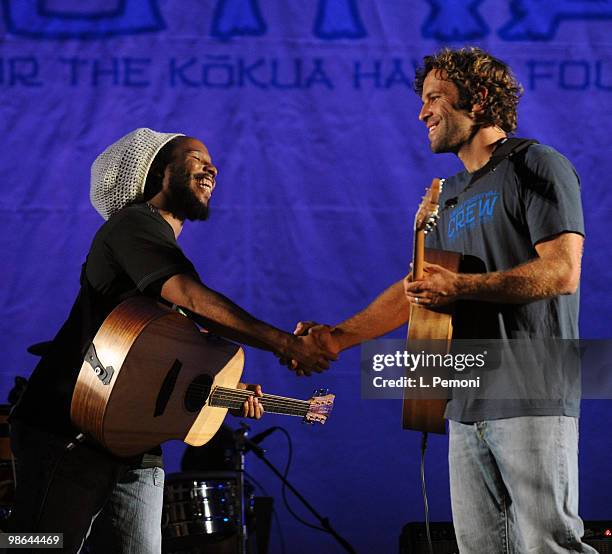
column 308, row 111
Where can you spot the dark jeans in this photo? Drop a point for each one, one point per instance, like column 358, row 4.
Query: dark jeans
column 75, row 491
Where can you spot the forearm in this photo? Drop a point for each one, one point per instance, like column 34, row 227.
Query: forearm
column 535, row 280
column 387, row 312
column 232, row 333
column 220, row 315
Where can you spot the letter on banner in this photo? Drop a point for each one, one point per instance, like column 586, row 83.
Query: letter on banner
column 69, row 18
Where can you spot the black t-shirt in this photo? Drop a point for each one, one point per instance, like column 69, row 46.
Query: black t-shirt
column 133, row 253
column 495, row 225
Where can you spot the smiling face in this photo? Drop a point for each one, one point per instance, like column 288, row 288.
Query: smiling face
column 449, row 127
column 191, row 180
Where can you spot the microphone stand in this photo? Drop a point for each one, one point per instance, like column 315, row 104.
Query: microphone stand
column 260, row 453
column 241, row 441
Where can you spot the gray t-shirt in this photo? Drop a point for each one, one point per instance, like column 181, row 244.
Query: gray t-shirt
column 495, row 224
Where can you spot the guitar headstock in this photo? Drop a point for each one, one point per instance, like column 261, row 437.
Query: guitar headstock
column 321, row 405
column 427, row 214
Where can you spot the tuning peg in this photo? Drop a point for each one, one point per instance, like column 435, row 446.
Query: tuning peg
column 320, row 392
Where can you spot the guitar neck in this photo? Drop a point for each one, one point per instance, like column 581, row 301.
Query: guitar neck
column 418, row 254
column 425, row 220
column 224, row 397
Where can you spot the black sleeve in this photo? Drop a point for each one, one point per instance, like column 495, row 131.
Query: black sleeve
column 143, row 244
column 552, row 196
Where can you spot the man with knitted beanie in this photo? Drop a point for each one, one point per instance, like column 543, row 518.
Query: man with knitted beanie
column 145, row 185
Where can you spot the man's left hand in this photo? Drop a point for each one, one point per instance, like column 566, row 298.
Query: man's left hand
column 438, row 287
column 251, row 408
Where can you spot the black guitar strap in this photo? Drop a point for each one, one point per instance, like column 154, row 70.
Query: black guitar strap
column 508, row 148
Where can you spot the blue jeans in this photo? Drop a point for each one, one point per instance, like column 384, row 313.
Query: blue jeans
column 82, row 490
column 514, row 486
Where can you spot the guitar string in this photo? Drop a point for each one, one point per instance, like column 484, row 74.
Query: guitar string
column 220, row 403
column 268, row 404
column 272, row 406
column 268, row 408
column 272, row 403
column 235, row 404
column 244, row 394
column 224, row 393
column 202, row 388
column 239, row 395
column 244, row 391
column 263, row 398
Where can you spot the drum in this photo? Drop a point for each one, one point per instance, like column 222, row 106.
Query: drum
column 201, row 504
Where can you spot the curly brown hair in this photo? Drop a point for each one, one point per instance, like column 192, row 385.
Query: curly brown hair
column 472, row 69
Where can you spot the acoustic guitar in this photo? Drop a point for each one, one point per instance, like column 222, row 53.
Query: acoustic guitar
column 150, row 375
column 426, row 324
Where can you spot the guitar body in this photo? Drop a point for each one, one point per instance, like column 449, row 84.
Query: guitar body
column 427, row 414
column 426, row 324
column 163, row 369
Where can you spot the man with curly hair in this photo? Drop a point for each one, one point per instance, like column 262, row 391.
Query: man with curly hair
column 513, row 463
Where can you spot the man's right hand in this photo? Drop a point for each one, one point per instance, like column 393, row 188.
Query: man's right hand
column 324, row 335
column 308, row 355
column 320, row 336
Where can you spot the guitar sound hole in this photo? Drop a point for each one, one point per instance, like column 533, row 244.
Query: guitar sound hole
column 197, row 393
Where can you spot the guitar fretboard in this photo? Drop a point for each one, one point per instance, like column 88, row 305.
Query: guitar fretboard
column 224, row 397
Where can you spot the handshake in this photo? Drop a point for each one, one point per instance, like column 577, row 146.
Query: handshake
column 310, row 349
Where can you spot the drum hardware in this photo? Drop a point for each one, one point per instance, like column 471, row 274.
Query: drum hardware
column 207, row 507
column 204, row 505
column 240, row 438
column 175, row 542
column 7, row 467
column 325, row 523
